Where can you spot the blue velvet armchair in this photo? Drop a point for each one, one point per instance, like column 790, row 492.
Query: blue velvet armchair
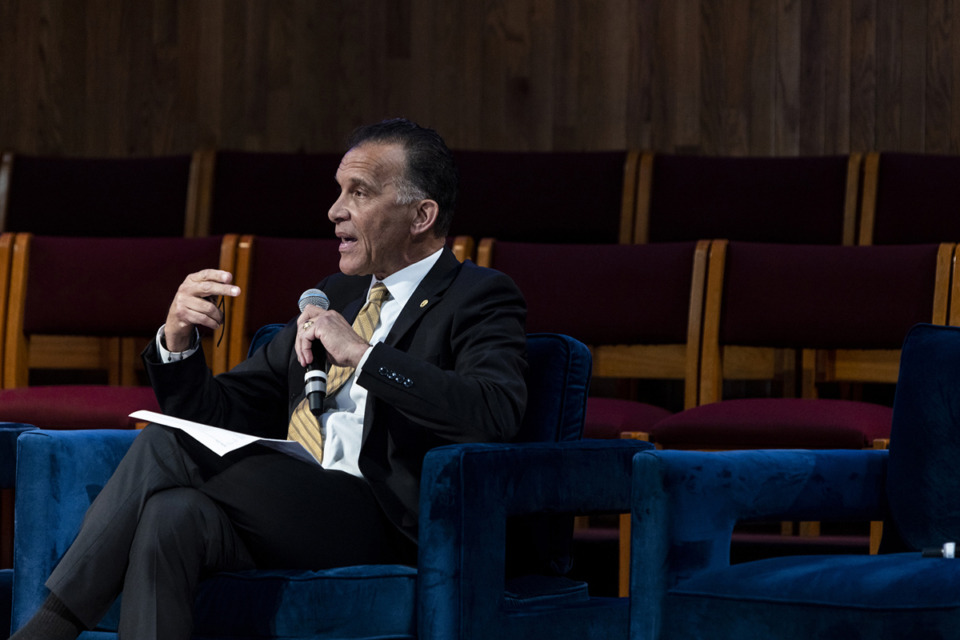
column 473, row 534
column 686, row 503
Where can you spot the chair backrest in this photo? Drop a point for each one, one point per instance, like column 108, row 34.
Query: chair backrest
column 922, row 479
column 845, row 310
column 272, row 273
column 97, row 197
column 637, row 306
column 116, row 292
column 910, row 198
column 268, row 194
column 798, row 200
column 558, row 381
column 546, row 196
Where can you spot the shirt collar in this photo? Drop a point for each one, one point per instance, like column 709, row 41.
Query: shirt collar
column 404, row 282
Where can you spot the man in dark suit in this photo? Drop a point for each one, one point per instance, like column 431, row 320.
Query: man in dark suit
column 445, row 363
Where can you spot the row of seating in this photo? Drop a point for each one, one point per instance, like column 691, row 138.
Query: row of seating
column 683, row 508
column 692, row 312
column 808, row 319
column 559, row 197
column 689, row 311
column 712, row 311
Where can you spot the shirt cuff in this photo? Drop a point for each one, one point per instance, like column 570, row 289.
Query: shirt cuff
column 176, row 356
column 363, row 360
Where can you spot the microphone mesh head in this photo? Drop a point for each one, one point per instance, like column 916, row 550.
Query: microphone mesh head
column 315, row 297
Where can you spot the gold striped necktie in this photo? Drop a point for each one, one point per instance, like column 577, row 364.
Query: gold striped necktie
column 304, row 426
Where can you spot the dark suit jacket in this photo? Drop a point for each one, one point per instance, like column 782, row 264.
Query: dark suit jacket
column 451, row 370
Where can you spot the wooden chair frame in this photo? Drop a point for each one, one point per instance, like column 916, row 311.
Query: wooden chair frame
column 835, row 365
column 117, row 355
column 649, row 361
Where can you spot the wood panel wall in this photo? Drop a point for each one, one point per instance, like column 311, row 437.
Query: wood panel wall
column 764, row 77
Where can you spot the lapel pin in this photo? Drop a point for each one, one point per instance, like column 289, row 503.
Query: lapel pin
column 423, row 304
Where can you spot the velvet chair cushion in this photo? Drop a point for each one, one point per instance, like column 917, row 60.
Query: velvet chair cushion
column 77, row 406
column 374, row 602
column 923, row 483
column 825, row 597
column 609, row 417
column 775, row 423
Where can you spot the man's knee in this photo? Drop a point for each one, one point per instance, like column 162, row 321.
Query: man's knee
column 185, row 524
column 177, row 517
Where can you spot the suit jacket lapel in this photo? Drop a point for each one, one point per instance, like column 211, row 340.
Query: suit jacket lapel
column 427, row 294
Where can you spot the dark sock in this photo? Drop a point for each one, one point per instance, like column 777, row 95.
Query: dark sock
column 53, row 621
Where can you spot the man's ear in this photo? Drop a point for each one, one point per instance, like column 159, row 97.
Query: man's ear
column 425, row 217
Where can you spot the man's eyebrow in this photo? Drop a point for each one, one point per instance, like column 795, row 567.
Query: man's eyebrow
column 361, row 182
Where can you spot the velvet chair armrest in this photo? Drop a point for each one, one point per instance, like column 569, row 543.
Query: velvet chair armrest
column 467, row 494
column 686, row 503
column 59, row 473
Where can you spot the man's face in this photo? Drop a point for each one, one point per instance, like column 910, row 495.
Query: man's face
column 374, row 231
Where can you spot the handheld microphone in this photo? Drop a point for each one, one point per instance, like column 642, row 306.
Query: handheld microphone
column 315, row 378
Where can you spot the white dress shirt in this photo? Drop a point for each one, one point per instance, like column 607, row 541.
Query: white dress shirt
column 342, row 423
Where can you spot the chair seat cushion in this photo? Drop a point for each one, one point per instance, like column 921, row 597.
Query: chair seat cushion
column 775, row 423
column 813, row 596
column 609, row 417
column 76, row 406
column 374, row 601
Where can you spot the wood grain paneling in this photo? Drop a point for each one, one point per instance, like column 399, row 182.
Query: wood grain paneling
column 738, row 77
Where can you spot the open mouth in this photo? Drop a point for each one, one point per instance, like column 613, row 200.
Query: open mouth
column 346, row 242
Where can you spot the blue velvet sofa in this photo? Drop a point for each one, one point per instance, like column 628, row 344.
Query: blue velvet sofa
column 685, row 505
column 484, row 509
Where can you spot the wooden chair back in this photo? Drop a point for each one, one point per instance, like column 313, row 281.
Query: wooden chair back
column 91, row 304
column 798, row 200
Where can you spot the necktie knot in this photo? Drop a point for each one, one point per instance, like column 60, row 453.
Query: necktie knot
column 378, row 293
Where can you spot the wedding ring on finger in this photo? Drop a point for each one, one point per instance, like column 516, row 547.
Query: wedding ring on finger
column 307, row 325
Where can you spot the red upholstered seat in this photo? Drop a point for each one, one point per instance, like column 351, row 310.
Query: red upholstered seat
column 609, row 417
column 775, row 423
column 76, row 406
